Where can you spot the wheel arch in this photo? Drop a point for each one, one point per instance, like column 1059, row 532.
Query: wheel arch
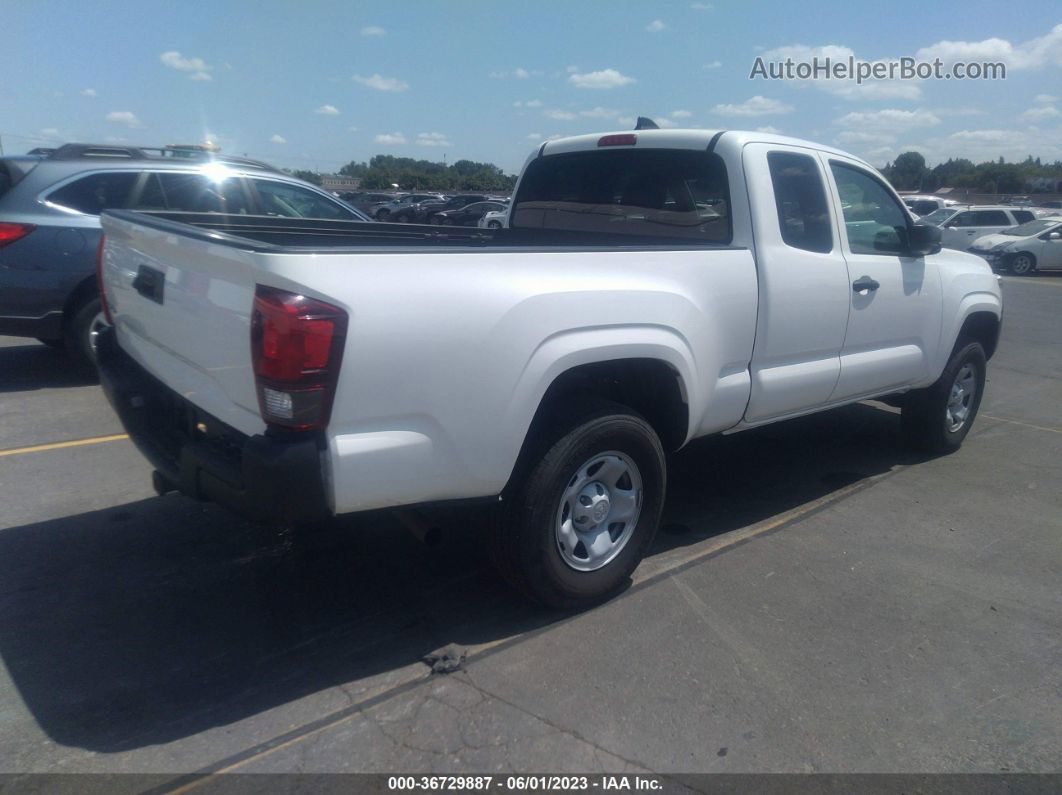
column 84, row 291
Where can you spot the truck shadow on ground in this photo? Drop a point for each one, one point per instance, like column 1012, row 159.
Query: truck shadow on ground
column 33, row 366
column 156, row 620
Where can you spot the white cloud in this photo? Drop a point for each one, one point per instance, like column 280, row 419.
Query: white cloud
column 560, row 115
column 50, row 132
column 352, row 129
column 713, row 64
column 197, row 66
column 88, row 92
column 701, row 6
column 373, row 30
column 889, row 119
column 754, row 106
column 603, row 79
column 680, row 114
column 1045, row 99
column 534, row 136
column 664, row 123
column 521, row 73
column 1035, row 53
column 390, row 139
column 861, row 137
column 571, row 69
column 846, row 89
column 655, row 26
column 381, row 83
column 327, row 110
column 626, row 121
column 1042, row 112
column 599, row 113
column 278, row 139
column 126, row 117
column 769, row 129
column 432, row 139
column 530, row 103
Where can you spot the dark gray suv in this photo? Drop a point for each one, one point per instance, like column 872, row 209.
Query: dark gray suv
column 50, row 226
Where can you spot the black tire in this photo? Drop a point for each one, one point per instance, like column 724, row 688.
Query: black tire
column 494, row 225
column 1021, row 264
column 435, row 220
column 925, row 420
column 58, row 344
column 524, row 540
column 78, row 334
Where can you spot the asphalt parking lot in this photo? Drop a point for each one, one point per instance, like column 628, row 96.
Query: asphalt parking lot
column 819, row 600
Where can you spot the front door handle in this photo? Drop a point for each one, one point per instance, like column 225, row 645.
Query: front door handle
column 864, row 283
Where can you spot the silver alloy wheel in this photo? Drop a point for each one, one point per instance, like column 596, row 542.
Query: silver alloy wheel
column 598, row 511
column 1021, row 264
column 98, row 324
column 963, row 392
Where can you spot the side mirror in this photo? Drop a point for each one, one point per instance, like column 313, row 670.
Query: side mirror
column 923, row 239
column 1055, row 236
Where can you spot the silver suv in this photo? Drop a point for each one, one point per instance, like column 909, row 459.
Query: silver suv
column 50, row 228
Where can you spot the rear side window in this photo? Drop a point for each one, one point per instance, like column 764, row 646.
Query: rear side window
column 191, row 193
column 95, row 193
column 990, row 218
column 800, row 197
column 656, row 192
column 1023, row 216
column 923, row 206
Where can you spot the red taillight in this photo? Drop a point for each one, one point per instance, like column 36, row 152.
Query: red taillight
column 296, row 347
column 9, row 233
column 99, row 281
column 623, row 139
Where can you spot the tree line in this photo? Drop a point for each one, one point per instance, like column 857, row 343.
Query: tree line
column 909, row 172
column 383, row 171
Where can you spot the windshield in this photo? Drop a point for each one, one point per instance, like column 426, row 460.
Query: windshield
column 1031, row 228
column 937, row 217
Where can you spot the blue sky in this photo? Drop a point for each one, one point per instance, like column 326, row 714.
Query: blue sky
column 319, row 83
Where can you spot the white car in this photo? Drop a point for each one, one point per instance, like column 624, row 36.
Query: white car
column 496, row 219
column 961, row 226
column 924, row 205
column 652, row 287
column 1033, row 246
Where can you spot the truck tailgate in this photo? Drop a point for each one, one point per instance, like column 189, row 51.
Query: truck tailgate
column 181, row 307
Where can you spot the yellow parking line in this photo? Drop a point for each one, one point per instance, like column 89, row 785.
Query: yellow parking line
column 1023, row 424
column 1027, row 280
column 40, row 448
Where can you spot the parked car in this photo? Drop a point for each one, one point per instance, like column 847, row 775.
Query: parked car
column 50, row 228
column 1050, row 204
column 469, row 215
column 363, row 201
column 547, row 368
column 452, row 203
column 496, row 219
column 1033, row 246
column 961, row 226
column 385, row 210
column 924, row 205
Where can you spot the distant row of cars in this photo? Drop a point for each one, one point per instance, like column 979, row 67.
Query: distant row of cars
column 1016, row 238
column 426, row 208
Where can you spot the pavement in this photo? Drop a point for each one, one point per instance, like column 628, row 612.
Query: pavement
column 818, row 600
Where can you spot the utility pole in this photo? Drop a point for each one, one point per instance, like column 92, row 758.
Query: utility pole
column 1, row 146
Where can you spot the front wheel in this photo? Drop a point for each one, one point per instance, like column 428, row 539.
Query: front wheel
column 1022, row 264
column 936, row 419
column 494, row 225
column 578, row 524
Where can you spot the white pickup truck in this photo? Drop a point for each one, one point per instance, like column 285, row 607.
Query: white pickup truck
column 652, row 287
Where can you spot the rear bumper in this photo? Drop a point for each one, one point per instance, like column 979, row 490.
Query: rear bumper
column 47, row 327
column 263, row 478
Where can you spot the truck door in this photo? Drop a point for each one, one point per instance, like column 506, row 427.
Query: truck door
column 895, row 317
column 803, row 282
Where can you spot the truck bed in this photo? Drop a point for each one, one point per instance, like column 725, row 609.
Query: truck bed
column 271, row 234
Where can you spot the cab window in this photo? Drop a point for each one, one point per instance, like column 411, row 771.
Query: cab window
column 875, row 222
column 800, row 198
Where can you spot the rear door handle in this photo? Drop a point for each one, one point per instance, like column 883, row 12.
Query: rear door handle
column 864, row 283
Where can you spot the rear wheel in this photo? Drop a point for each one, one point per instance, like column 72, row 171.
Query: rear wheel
column 578, row 524
column 494, row 225
column 1022, row 264
column 936, row 419
column 82, row 330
